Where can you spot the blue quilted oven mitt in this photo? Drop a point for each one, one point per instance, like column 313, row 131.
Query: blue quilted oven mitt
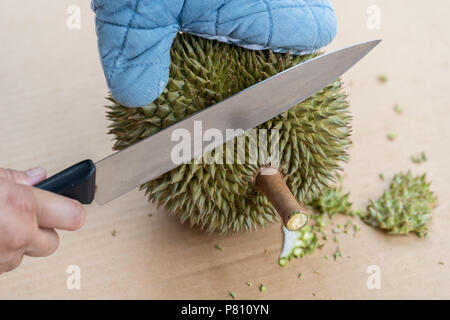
column 135, row 36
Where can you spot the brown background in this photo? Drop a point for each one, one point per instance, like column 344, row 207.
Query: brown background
column 52, row 93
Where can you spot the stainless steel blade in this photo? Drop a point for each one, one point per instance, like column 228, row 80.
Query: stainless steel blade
column 151, row 157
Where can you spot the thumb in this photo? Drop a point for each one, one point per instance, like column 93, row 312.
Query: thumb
column 29, row 177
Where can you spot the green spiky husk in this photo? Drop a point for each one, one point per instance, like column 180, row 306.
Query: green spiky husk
column 405, row 207
column 331, row 201
column 314, row 135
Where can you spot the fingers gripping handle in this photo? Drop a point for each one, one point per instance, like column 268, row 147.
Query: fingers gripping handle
column 76, row 182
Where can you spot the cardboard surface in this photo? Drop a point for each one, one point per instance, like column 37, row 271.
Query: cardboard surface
column 52, row 97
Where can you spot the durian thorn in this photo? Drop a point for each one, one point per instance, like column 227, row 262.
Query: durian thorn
column 271, row 183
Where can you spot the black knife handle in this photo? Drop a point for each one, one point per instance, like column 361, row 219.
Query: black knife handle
column 76, row 182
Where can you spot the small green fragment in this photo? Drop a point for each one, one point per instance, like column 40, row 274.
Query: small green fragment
column 398, row 109
column 233, row 295
column 299, row 275
column 218, row 247
column 114, row 232
column 381, row 176
column 335, row 239
column 313, row 294
column 392, row 136
column 283, row 262
column 356, row 228
column 249, row 284
column 424, row 156
column 419, row 158
column 441, row 262
column 416, row 159
column 382, row 78
column 337, row 253
column 316, row 272
column 262, row 288
column 327, row 256
column 150, row 215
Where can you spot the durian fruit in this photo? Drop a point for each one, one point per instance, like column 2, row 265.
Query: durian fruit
column 224, row 197
column 405, row 207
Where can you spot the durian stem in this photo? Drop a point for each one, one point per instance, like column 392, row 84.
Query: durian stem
column 272, row 184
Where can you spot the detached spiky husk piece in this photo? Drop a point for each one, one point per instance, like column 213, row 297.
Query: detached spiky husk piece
column 314, row 135
column 333, row 200
column 405, row 207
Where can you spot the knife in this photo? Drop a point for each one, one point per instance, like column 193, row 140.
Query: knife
column 121, row 172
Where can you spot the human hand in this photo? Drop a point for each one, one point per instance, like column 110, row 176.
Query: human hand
column 28, row 217
column 135, row 36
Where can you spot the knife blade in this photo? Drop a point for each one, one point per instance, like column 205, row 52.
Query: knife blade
column 148, row 159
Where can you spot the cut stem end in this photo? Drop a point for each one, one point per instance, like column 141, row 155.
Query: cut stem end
column 271, row 183
column 296, row 221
